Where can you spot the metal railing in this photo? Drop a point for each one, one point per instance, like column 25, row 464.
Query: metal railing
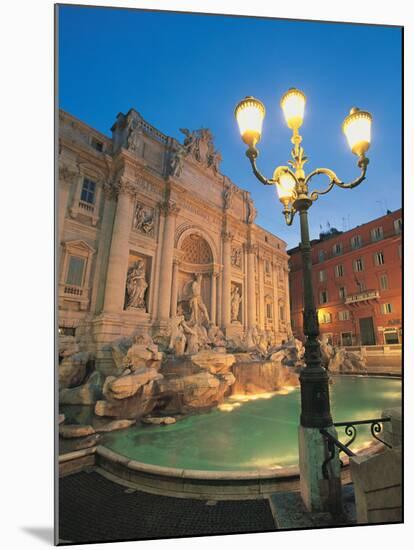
column 351, row 431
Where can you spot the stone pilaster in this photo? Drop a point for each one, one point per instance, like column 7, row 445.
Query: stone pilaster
column 226, row 287
column 119, row 254
column 174, row 289
column 287, row 299
column 260, row 275
column 251, row 290
column 275, row 298
column 219, row 300
column 170, row 210
column 66, row 180
column 157, row 268
column 213, row 313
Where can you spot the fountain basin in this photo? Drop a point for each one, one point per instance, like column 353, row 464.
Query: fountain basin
column 248, row 450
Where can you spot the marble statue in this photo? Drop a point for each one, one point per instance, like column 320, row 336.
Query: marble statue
column 136, row 286
column 185, row 337
column 179, row 339
column 251, row 214
column 133, row 136
column 143, row 220
column 236, row 258
column 192, row 338
column 235, row 303
column 197, row 306
column 190, row 140
column 215, row 336
column 213, row 158
column 228, row 195
column 176, row 161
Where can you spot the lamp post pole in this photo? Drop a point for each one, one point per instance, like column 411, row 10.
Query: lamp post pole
column 315, row 406
column 293, row 189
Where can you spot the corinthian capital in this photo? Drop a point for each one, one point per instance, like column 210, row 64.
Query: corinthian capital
column 127, row 187
column 67, row 174
column 227, row 236
column 169, row 208
column 252, row 248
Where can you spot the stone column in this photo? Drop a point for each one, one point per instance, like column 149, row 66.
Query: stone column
column 219, row 300
column 170, row 211
column 213, row 312
column 251, row 287
column 226, row 290
column 156, row 268
column 261, row 291
column 104, row 249
column 275, row 298
column 119, row 254
column 174, row 289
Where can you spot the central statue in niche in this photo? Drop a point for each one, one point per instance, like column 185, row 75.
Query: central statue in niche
column 197, row 307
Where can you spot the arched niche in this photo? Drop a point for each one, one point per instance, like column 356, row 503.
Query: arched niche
column 196, row 256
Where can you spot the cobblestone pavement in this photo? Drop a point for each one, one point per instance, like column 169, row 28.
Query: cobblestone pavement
column 94, row 509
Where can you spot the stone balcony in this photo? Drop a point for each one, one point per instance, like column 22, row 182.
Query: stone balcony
column 362, row 298
column 74, row 293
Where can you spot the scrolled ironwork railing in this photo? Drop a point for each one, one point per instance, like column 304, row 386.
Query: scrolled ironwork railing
column 376, row 427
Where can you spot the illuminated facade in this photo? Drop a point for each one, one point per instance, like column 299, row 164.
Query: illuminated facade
column 356, row 283
column 141, row 216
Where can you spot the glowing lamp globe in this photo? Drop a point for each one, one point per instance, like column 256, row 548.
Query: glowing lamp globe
column 357, row 129
column 293, row 106
column 285, row 186
column 249, row 114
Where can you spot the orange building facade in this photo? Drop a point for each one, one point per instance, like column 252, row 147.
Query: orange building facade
column 357, row 282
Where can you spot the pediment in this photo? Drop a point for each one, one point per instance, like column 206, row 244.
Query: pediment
column 79, row 245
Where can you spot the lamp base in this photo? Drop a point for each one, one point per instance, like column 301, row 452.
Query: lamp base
column 318, row 494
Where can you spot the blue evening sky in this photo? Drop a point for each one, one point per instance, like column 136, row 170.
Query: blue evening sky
column 189, row 71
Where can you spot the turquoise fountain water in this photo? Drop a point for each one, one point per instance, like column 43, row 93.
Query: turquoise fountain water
column 260, row 433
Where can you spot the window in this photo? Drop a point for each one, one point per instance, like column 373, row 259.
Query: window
column 379, row 258
column 66, row 331
column 325, row 318
column 98, row 145
column 322, row 276
column 88, row 191
column 386, row 308
column 339, row 270
column 282, row 312
column 391, row 336
column 323, row 297
column 398, row 226
column 321, row 255
column 346, row 338
column 267, row 266
column 384, row 282
column 266, row 239
column 337, row 249
column 342, row 293
column 269, row 311
column 356, row 242
column 343, row 315
column 359, row 264
column 377, row 234
column 361, row 286
column 75, row 271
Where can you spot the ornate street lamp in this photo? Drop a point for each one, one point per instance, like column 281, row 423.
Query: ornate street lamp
column 293, row 189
